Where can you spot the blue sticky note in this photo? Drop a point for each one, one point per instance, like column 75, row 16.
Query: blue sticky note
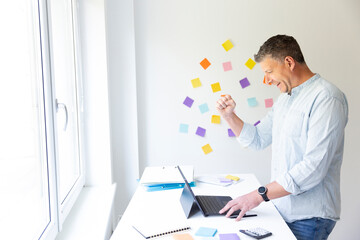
column 204, row 108
column 252, row 102
column 206, row 232
column 184, row 128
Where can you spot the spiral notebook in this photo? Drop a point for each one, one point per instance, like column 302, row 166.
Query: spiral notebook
column 149, row 231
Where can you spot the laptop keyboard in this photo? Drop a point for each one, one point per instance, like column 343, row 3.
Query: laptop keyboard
column 210, row 204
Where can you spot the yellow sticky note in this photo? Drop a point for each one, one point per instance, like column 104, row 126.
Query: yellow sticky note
column 183, row 236
column 227, row 45
column 215, row 119
column 196, row 82
column 216, row 87
column 232, row 177
column 207, row 149
column 250, row 63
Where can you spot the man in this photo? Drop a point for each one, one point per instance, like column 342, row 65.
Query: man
column 306, row 129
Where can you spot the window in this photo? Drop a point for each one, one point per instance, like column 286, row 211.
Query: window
column 67, row 88
column 40, row 162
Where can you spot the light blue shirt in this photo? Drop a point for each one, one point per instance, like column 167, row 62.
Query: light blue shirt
column 306, row 130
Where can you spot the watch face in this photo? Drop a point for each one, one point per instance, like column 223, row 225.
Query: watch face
column 262, row 190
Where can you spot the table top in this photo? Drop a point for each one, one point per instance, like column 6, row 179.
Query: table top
column 163, row 207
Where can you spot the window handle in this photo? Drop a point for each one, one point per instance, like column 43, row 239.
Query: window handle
column 62, row 106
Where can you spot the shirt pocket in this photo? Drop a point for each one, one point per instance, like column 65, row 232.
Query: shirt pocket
column 293, row 124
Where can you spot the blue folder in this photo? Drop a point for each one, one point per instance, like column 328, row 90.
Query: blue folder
column 166, row 186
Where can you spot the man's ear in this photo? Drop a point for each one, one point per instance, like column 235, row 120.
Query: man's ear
column 289, row 62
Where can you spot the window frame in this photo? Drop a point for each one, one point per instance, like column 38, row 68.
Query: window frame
column 64, row 208
column 58, row 211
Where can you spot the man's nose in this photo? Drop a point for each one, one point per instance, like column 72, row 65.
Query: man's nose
column 267, row 80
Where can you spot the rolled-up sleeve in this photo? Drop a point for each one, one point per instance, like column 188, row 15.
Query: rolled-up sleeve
column 259, row 136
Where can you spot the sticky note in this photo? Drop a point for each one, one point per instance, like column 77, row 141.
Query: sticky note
column 205, row 63
column 215, row 119
column 231, row 177
column 183, row 236
column 225, row 180
column 188, row 102
column 200, row 131
column 216, row 87
column 184, row 128
column 227, row 66
column 227, row 45
column 206, row 232
column 204, row 108
column 231, row 133
column 207, row 149
column 252, row 102
column 269, row 103
column 257, row 123
column 196, row 82
column 250, row 63
column 229, row 236
column 244, row 83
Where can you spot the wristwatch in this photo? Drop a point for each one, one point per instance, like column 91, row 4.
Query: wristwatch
column 262, row 191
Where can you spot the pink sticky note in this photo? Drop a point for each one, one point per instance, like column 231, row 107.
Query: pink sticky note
column 227, row 66
column 269, row 102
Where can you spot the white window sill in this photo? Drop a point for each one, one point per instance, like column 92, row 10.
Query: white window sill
column 90, row 217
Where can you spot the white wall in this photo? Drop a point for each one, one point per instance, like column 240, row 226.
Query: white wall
column 172, row 37
column 95, row 93
column 123, row 100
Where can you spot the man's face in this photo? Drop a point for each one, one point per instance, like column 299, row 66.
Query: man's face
column 277, row 73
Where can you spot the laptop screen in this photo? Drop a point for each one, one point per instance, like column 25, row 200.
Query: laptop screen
column 187, row 198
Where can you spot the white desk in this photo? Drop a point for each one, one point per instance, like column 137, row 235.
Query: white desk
column 165, row 205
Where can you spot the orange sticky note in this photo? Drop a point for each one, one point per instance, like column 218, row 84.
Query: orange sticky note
column 205, row 63
column 207, row 149
column 183, row 236
column 215, row 119
column 216, row 87
column 250, row 63
column 227, row 45
column 223, row 95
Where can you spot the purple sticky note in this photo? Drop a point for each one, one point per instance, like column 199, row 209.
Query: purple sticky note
column 225, row 180
column 269, row 102
column 244, row 83
column 257, row 123
column 188, row 102
column 231, row 133
column 201, row 131
column 227, row 66
column 229, row 236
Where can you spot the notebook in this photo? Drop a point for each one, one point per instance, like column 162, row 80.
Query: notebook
column 208, row 205
column 153, row 176
column 149, row 231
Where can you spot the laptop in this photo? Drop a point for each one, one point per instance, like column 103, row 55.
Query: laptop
column 208, row 205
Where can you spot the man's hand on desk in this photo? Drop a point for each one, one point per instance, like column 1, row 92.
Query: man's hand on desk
column 244, row 203
column 252, row 200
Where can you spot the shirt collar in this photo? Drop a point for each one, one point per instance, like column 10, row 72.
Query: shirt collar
column 297, row 89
